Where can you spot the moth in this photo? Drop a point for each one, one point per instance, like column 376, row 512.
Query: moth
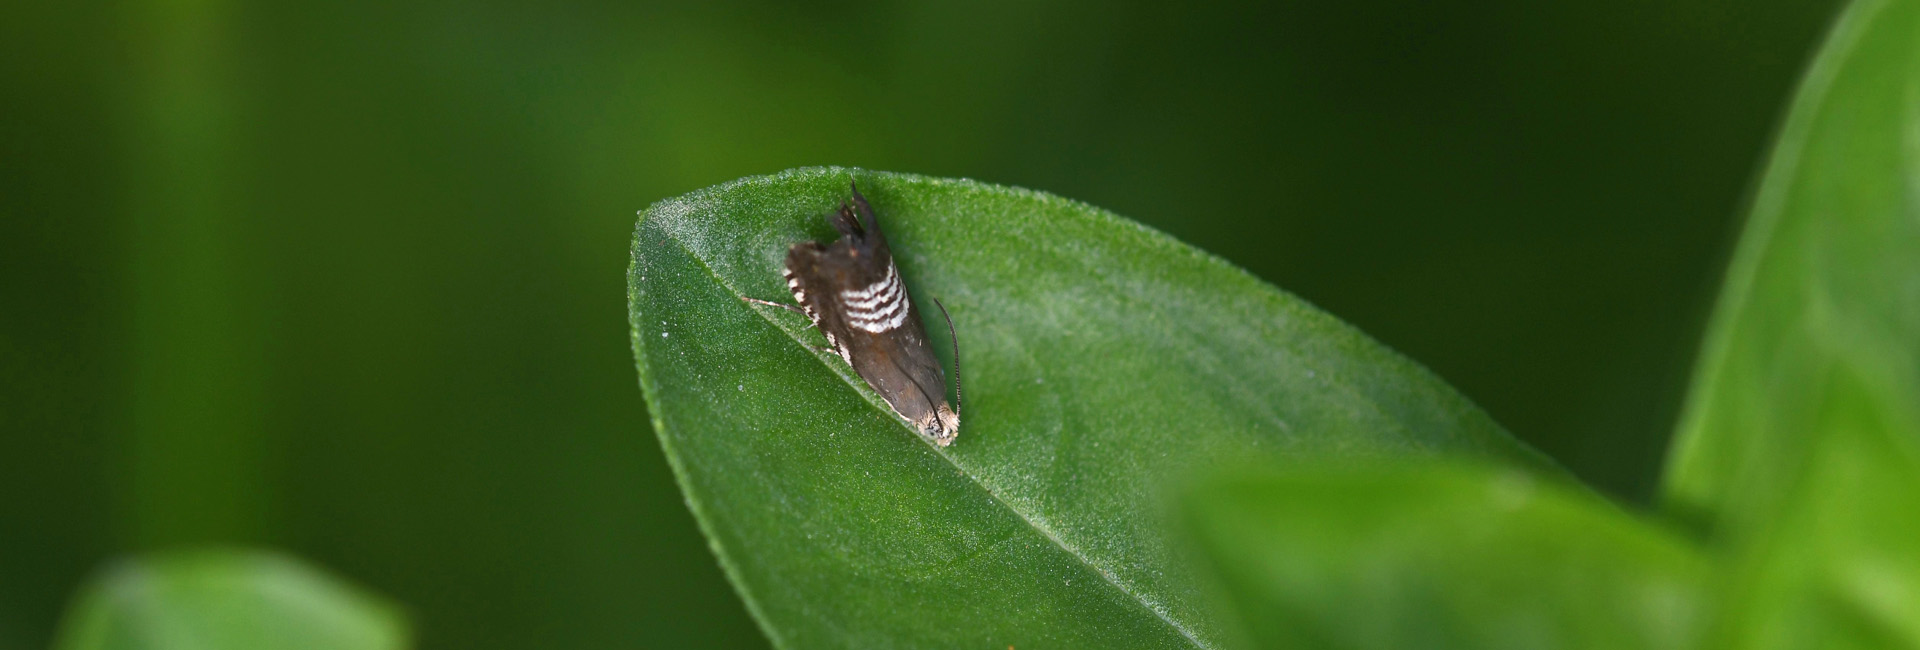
column 851, row 291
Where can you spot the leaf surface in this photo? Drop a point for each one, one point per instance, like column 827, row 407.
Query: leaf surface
column 1800, row 446
column 1101, row 359
column 228, row 600
column 1445, row 554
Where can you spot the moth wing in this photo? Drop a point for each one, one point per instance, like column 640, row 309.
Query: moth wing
column 816, row 283
column 887, row 342
column 845, row 222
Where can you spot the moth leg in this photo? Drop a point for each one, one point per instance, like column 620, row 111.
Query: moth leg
column 781, row 305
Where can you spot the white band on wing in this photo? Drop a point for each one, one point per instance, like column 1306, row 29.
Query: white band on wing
column 878, row 307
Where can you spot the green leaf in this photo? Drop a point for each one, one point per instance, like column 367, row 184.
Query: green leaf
column 1445, row 555
column 227, row 600
column 1101, row 357
column 1800, row 446
column 1840, row 567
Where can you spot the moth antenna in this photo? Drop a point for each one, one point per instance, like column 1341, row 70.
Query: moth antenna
column 951, row 335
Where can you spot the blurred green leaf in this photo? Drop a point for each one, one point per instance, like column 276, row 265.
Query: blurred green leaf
column 1100, row 358
column 228, row 600
column 1445, row 555
column 1800, row 448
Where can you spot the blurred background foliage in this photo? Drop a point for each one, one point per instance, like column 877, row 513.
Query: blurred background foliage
column 346, row 278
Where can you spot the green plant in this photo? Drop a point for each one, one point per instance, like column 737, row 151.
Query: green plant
column 227, row 600
column 1346, row 497
column 1161, row 451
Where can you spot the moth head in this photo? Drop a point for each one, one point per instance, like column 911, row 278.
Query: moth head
column 941, row 426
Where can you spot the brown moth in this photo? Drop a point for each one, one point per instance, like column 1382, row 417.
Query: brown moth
column 853, row 294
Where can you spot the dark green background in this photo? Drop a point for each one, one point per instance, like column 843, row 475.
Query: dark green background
column 345, row 278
